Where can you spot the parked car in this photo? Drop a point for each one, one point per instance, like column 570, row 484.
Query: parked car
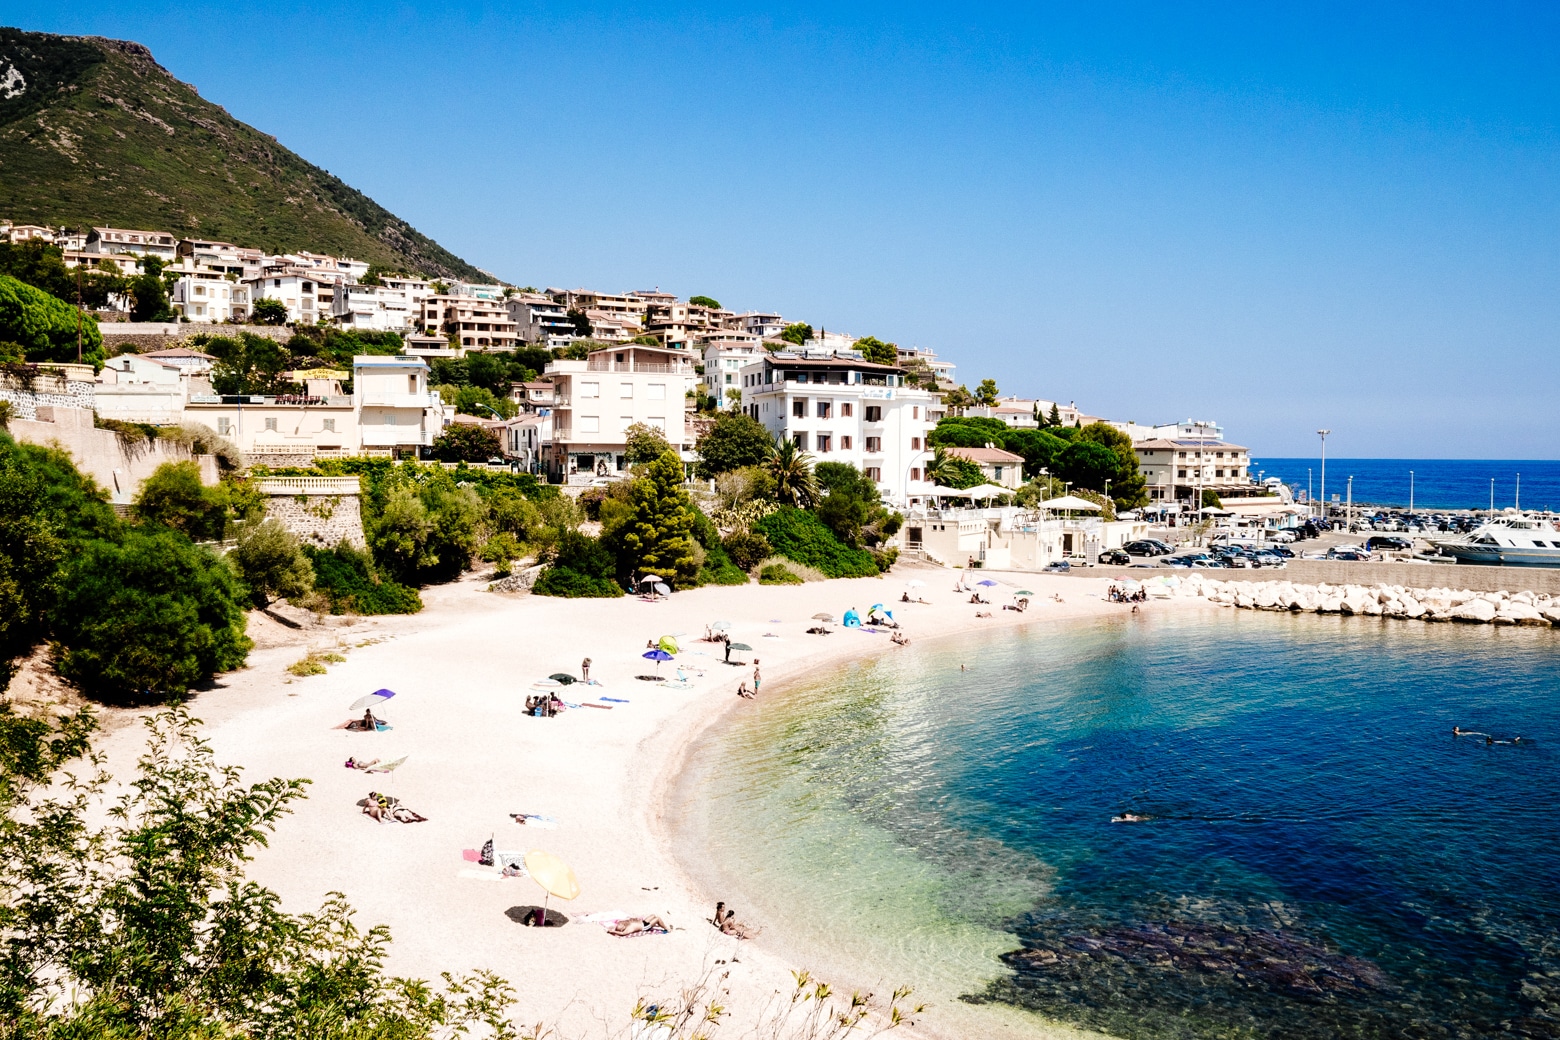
column 1115, row 558
column 1059, row 567
column 1281, row 550
column 1344, row 552
column 1147, row 547
column 1377, row 542
column 1281, row 537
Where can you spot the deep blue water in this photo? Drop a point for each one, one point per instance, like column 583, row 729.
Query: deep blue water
column 1438, row 483
column 1322, row 858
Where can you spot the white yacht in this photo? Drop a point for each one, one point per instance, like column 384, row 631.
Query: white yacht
column 1518, row 539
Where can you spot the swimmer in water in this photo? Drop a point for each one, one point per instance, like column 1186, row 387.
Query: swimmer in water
column 1128, row 817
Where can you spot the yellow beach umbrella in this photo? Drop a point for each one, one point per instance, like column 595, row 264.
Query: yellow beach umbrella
column 669, row 644
column 554, row 875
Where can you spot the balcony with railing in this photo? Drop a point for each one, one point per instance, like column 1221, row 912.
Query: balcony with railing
column 380, row 399
column 647, row 367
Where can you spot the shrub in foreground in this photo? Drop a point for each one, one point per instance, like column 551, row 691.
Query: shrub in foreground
column 778, row 574
column 581, row 567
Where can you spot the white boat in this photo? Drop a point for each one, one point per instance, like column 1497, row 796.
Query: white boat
column 1515, row 540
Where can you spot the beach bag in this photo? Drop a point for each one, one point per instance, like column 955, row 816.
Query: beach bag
column 486, row 856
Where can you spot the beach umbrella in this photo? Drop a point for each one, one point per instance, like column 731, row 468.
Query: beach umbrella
column 741, row 646
column 658, row 655
column 662, row 589
column 563, row 677
column 648, row 577
column 668, row 644
column 1023, row 592
column 914, row 583
column 721, row 626
column 554, row 875
column 373, row 700
column 985, row 581
column 827, row 618
column 875, row 606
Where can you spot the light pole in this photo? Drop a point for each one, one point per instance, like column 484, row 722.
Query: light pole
column 1323, row 434
column 1516, row 503
column 1348, row 509
column 1492, row 496
column 1411, row 492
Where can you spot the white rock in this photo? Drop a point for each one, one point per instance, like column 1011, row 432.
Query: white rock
column 1475, row 610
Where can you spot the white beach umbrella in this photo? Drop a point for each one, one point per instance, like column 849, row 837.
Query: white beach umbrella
column 1072, row 502
column 981, row 491
column 915, row 583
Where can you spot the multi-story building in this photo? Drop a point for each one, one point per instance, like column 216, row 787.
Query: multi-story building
column 396, row 410
column 300, row 426
column 526, row 439
column 375, row 307
column 677, row 323
column 598, row 398
column 540, row 319
column 1176, row 470
column 472, row 322
column 221, row 257
column 308, row 296
column 490, row 291
column 137, row 243
column 927, row 365
column 762, row 324
column 843, row 409
column 723, row 364
column 142, row 389
column 202, row 295
column 532, row 397
column 15, row 233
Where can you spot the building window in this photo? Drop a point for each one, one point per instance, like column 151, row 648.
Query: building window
column 874, row 445
column 997, row 472
column 330, row 426
column 825, row 409
column 224, row 426
column 270, row 424
column 657, row 391
column 799, row 408
column 825, row 442
column 590, row 424
column 874, row 413
column 389, row 418
column 800, row 377
column 590, row 389
column 873, row 473
column 845, row 442
column 915, row 473
column 847, row 409
column 800, row 440
column 1181, row 474
column 915, row 444
column 915, row 413
column 625, row 389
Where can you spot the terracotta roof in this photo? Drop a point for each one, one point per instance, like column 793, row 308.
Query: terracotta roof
column 994, row 455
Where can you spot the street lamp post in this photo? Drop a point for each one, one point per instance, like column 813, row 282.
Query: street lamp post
column 1323, row 434
column 1492, row 496
column 1410, row 492
column 1516, row 503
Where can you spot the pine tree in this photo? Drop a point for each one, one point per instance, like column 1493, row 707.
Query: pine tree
column 659, row 538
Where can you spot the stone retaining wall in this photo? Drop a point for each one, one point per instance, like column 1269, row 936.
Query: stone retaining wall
column 319, row 520
column 130, row 337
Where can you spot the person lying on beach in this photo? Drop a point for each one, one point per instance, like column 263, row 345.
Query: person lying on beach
column 353, row 763
column 651, row 925
column 976, row 598
column 378, row 806
column 401, row 814
column 730, row 927
column 900, row 638
column 818, row 630
column 983, row 613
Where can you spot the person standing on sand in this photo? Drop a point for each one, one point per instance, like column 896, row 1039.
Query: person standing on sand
column 755, row 677
column 585, row 670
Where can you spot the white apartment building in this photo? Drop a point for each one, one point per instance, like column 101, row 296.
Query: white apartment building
column 762, row 324
column 540, row 319
column 15, row 233
column 306, row 295
column 723, row 364
column 396, row 410
column 222, row 257
column 918, row 357
column 137, row 243
column 843, row 409
column 203, row 295
column 143, row 389
column 526, row 438
column 374, row 307
column 597, row 399
column 478, row 290
column 1174, row 470
column 297, row 426
column 997, row 466
column 416, row 289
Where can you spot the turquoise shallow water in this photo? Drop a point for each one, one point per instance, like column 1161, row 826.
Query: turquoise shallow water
column 1322, row 856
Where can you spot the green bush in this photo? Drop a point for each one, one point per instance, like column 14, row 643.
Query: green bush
column 798, row 535
column 142, row 620
column 778, row 574
column 346, row 576
column 174, row 497
column 747, row 548
column 581, row 567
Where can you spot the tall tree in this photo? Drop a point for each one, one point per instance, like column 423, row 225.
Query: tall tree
column 986, row 393
column 734, row 441
column 878, row 352
column 705, row 301
column 45, row 327
column 797, row 332
column 247, row 364
column 658, row 537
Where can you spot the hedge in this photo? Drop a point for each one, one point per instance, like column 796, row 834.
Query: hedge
column 798, row 535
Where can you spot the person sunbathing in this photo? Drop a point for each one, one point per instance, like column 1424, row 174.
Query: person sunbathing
column 649, row 925
column 401, row 814
column 367, row 724
column 378, row 806
column 900, row 639
column 353, row 763
column 983, row 613
column 731, row 927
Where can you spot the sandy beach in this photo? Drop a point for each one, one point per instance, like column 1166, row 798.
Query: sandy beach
column 461, row 671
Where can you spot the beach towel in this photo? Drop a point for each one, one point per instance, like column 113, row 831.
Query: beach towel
column 471, row 855
column 603, row 707
column 617, row 700
column 510, row 863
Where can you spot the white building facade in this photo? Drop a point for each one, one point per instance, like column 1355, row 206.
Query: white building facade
column 846, row 410
column 597, row 399
column 395, row 409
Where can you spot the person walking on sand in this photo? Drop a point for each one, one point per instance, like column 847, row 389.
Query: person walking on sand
column 585, row 670
column 755, row 677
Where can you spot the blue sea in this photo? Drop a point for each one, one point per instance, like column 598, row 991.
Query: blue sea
column 1438, row 483
column 1320, row 856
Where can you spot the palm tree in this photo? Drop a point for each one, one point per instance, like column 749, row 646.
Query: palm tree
column 940, row 469
column 792, row 469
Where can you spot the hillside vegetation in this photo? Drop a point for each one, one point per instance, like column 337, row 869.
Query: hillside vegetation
column 94, row 131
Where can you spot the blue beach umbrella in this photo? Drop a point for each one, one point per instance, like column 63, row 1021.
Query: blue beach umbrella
column 657, row 656
column 373, row 700
column 986, row 581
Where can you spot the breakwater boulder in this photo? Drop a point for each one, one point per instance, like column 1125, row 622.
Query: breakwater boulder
column 1388, row 601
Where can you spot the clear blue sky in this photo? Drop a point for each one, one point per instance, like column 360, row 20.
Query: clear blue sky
column 1279, row 216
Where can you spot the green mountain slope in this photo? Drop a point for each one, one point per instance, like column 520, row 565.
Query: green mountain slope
column 93, row 131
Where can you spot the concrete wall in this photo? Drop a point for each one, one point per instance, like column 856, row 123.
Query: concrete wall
column 100, row 453
column 129, row 337
column 47, row 390
column 1410, row 575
